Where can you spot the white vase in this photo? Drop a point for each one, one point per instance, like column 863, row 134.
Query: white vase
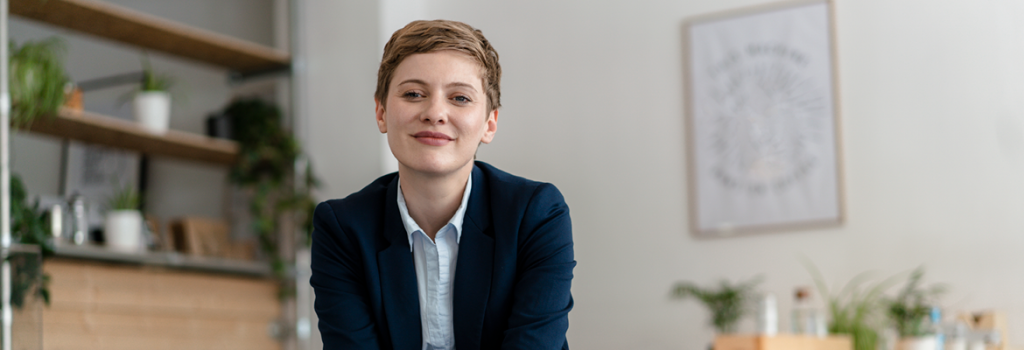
column 919, row 343
column 123, row 231
column 152, row 110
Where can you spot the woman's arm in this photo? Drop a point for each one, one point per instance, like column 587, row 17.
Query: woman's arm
column 346, row 320
column 541, row 299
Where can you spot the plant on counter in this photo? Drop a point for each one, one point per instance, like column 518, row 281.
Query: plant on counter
column 38, row 82
column 911, row 309
column 265, row 163
column 856, row 310
column 728, row 303
column 122, row 227
column 28, row 226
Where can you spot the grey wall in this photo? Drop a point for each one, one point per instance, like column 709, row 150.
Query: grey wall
column 933, row 130
column 176, row 187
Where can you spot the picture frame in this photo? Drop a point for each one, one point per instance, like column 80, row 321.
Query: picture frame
column 96, row 173
column 762, row 120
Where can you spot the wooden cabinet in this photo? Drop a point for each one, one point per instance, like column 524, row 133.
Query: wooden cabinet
column 782, row 342
column 112, row 306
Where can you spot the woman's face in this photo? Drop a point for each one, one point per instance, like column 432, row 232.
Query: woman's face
column 436, row 114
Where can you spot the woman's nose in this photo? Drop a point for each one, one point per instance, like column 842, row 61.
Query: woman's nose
column 436, row 111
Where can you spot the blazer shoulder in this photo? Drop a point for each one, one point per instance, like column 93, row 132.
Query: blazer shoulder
column 365, row 203
column 508, row 188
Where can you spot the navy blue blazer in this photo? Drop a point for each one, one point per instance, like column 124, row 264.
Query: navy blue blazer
column 512, row 276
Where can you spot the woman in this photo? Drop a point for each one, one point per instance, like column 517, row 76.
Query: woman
column 448, row 252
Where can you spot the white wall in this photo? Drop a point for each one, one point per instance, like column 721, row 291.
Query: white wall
column 176, row 187
column 933, row 133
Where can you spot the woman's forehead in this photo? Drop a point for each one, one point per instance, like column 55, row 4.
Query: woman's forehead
column 445, row 68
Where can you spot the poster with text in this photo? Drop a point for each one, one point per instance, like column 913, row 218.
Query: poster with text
column 762, row 121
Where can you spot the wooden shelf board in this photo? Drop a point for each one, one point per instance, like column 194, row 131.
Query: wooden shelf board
column 109, row 131
column 151, row 32
column 171, row 260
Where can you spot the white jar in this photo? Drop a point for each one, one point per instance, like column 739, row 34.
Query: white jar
column 123, row 231
column 152, row 110
column 918, row 343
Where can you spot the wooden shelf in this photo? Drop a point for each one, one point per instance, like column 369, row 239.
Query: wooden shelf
column 172, row 260
column 109, row 131
column 147, row 31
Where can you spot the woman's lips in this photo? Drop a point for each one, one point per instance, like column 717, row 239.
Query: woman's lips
column 432, row 138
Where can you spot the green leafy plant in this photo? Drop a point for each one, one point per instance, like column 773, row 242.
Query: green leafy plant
column 856, row 309
column 28, row 226
column 728, row 303
column 909, row 311
column 124, row 198
column 265, row 164
column 37, row 80
column 152, row 81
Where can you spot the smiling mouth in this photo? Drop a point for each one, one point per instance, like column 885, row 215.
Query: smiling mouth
column 432, row 138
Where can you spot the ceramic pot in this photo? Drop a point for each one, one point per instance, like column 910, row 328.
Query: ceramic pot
column 919, row 343
column 123, row 231
column 152, row 110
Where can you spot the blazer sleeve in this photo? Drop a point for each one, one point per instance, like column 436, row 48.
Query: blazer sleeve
column 541, row 299
column 341, row 304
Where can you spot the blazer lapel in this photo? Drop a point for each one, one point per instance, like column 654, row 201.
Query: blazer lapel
column 473, row 269
column 398, row 279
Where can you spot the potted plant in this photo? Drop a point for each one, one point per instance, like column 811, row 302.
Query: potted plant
column 910, row 311
column 727, row 302
column 152, row 103
column 123, row 225
column 856, row 310
column 28, row 226
column 37, row 80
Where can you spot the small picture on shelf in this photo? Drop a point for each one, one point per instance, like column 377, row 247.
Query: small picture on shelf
column 96, row 172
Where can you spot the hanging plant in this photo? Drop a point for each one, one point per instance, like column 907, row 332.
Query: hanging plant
column 267, row 155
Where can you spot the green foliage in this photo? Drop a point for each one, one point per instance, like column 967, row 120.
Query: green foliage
column 152, row 81
column 728, row 303
column 124, row 198
column 28, row 226
column 37, row 80
column 909, row 311
column 856, row 309
column 266, row 160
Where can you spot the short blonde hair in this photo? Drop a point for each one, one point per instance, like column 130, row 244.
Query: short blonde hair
column 437, row 35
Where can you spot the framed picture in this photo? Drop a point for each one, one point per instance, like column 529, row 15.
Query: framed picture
column 762, row 119
column 96, row 172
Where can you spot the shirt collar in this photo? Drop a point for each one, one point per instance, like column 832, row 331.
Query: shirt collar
column 412, row 227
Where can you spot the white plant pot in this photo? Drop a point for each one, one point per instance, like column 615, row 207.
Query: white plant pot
column 152, row 110
column 123, row 231
column 921, row 343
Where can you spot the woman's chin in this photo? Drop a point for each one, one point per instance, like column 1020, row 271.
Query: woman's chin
column 431, row 167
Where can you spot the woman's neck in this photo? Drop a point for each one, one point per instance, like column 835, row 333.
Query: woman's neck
column 433, row 200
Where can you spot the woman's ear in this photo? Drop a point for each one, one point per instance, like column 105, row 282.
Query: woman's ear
column 381, row 122
column 491, row 125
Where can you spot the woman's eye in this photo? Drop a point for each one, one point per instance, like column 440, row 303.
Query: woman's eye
column 412, row 94
column 462, row 99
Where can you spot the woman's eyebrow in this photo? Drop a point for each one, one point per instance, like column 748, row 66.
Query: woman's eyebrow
column 450, row 85
column 413, row 81
column 461, row 84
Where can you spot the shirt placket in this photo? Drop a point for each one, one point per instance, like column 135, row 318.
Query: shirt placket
column 443, row 269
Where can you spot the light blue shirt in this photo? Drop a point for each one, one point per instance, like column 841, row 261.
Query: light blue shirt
column 435, row 272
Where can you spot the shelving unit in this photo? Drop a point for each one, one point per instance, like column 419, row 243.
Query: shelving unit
column 159, row 298
column 109, row 131
column 146, row 31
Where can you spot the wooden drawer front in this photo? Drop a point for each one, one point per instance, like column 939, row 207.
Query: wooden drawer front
column 101, row 306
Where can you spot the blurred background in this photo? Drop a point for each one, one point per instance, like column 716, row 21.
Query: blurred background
column 930, row 116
